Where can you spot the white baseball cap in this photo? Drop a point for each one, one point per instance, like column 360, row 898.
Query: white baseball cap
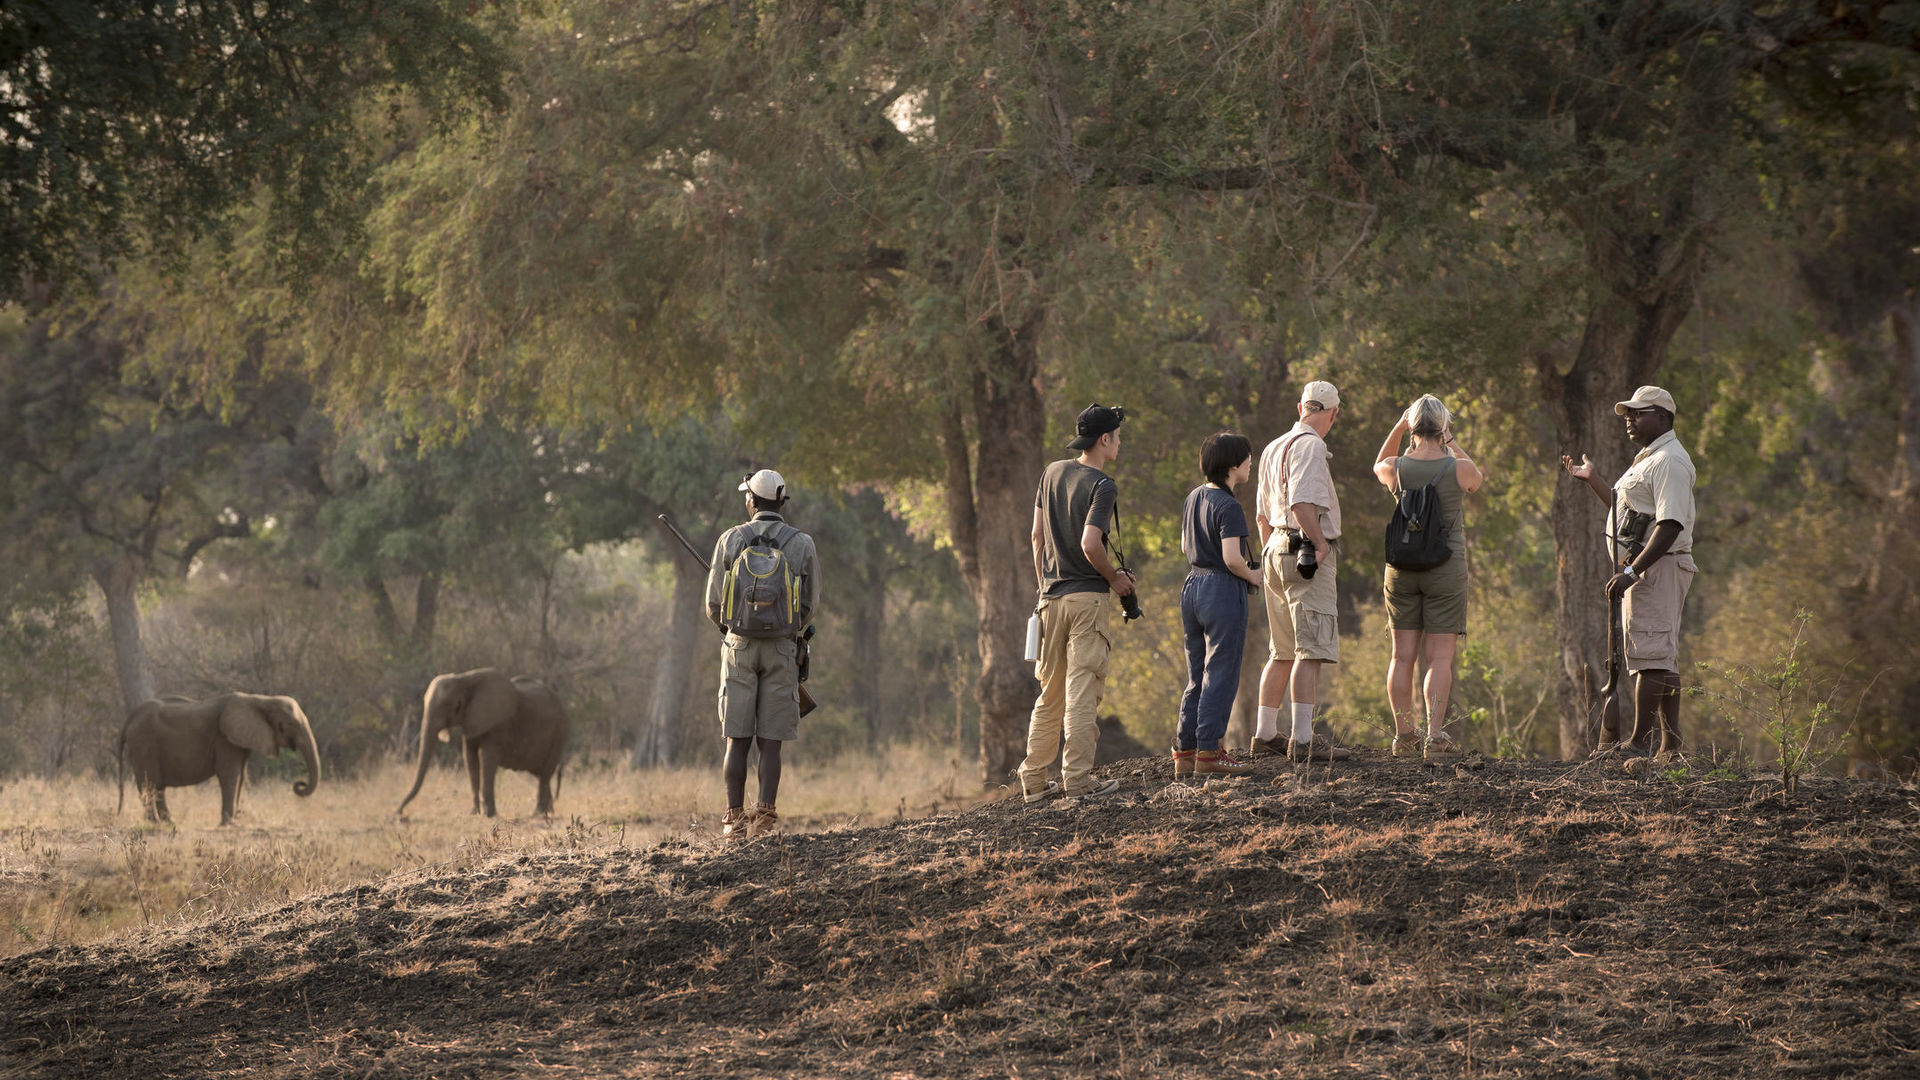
column 1320, row 393
column 765, row 484
column 1647, row 397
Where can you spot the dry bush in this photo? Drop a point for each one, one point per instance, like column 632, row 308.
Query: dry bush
column 71, row 870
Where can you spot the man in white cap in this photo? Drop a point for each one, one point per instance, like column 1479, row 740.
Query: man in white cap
column 1650, row 523
column 1295, row 507
column 762, row 588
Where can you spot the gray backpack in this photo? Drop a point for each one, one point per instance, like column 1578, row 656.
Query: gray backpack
column 760, row 594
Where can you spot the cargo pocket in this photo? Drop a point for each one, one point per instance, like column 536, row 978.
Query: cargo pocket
column 1650, row 645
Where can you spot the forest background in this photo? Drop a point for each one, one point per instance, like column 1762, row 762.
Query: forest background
column 347, row 344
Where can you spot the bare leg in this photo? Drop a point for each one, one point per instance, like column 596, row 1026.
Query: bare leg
column 1306, row 682
column 1406, row 655
column 1657, row 693
column 769, row 770
column 1439, row 649
column 734, row 771
column 1273, row 682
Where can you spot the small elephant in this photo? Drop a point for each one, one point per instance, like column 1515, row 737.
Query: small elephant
column 506, row 723
column 179, row 742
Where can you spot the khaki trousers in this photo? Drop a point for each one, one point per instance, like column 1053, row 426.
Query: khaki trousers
column 1074, row 650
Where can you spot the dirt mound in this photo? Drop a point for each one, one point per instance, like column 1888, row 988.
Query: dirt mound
column 1489, row 919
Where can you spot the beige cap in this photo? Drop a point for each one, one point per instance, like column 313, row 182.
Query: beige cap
column 765, row 484
column 1646, row 397
column 1321, row 393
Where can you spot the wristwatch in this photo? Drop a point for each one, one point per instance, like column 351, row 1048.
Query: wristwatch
column 1631, row 573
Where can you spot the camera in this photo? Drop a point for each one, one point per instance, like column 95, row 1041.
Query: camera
column 1130, row 603
column 1309, row 558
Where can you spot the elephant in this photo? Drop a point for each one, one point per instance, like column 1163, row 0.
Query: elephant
column 179, row 742
column 513, row 723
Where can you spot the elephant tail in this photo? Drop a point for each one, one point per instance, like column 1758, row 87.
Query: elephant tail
column 559, row 774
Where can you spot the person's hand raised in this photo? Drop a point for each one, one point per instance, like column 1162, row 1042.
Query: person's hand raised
column 1582, row 471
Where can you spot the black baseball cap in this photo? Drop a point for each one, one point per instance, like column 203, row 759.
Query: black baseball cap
column 1096, row 420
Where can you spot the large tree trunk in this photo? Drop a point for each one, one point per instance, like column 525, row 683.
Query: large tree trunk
column 990, row 511
column 1882, row 622
column 688, row 630
column 119, row 582
column 866, row 609
column 1623, row 347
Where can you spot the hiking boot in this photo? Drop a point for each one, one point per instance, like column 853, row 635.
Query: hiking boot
column 1406, row 744
column 1274, row 747
column 1100, row 787
column 1219, row 763
column 764, row 820
column 1319, row 748
column 1040, row 794
column 1441, row 748
column 1182, row 763
column 733, row 823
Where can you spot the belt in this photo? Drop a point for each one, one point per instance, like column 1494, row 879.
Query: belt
column 1206, row 571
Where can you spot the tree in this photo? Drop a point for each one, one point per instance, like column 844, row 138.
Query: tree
column 126, row 124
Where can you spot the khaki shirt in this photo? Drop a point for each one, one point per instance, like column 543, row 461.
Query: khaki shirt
column 1660, row 482
column 800, row 555
column 1304, row 477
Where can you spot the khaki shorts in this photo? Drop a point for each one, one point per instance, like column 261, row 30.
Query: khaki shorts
column 1650, row 611
column 1430, row 601
column 1302, row 613
column 759, row 688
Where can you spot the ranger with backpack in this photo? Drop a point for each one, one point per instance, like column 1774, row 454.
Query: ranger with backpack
column 763, row 586
column 1426, row 549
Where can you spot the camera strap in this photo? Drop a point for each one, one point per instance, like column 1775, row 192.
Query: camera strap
column 1113, row 540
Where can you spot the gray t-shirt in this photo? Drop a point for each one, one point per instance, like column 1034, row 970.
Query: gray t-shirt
column 1416, row 473
column 1074, row 496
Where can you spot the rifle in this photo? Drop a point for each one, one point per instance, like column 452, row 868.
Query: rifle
column 805, row 654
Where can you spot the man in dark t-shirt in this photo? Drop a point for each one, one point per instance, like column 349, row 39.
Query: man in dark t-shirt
column 1073, row 513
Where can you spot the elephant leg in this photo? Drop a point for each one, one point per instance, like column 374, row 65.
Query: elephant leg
column 543, row 805
column 473, row 773
column 159, row 810
column 489, row 766
column 229, row 794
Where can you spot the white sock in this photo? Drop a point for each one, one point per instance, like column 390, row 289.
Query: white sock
column 1268, row 725
column 1303, row 723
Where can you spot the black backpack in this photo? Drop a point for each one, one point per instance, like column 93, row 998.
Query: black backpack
column 1417, row 533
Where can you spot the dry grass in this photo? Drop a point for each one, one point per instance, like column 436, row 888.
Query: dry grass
column 72, row 871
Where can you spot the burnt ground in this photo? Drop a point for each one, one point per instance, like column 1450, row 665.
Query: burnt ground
column 1496, row 919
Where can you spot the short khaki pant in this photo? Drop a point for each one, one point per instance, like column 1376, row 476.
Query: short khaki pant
column 759, row 688
column 1650, row 611
column 1075, row 649
column 1302, row 613
column 1430, row 601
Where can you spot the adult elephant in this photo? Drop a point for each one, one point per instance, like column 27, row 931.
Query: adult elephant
column 506, row 723
column 179, row 742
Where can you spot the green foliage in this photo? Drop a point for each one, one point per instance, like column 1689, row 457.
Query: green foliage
column 125, row 125
column 1788, row 701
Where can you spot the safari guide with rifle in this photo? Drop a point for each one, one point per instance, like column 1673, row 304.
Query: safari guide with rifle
column 763, row 586
column 1073, row 514
column 1650, row 530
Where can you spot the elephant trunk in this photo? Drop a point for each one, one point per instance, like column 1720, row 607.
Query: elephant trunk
column 310, row 754
column 420, row 772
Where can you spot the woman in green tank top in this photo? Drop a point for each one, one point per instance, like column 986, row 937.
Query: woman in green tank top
column 1427, row 609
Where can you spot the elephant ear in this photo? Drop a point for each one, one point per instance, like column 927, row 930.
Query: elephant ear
column 244, row 726
column 495, row 699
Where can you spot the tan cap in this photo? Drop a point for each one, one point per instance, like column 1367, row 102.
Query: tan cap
column 1320, row 393
column 1646, row 397
column 765, row 484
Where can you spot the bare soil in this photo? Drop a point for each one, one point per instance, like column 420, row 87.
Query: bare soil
column 1379, row 918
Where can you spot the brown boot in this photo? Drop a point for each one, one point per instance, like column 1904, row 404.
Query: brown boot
column 733, row 823
column 765, row 821
column 1182, row 763
column 1219, row 763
